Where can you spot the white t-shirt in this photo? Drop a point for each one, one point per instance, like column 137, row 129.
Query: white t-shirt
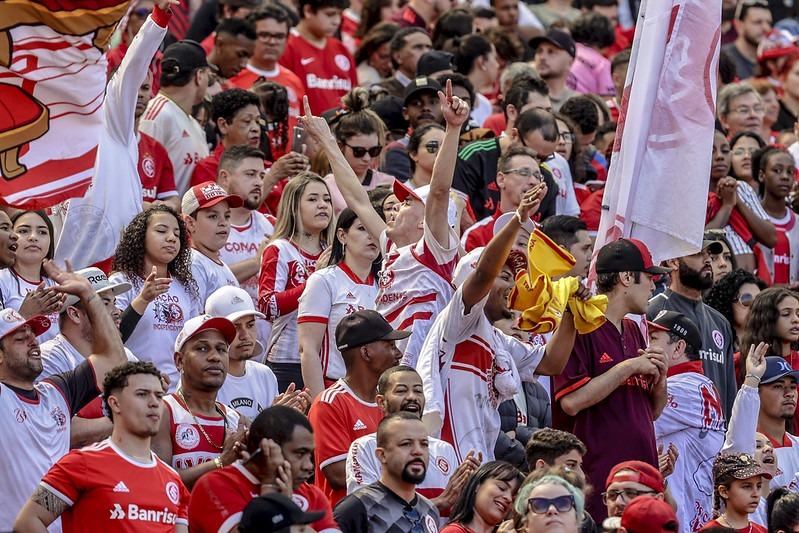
column 210, row 275
column 181, row 135
column 59, row 355
column 14, row 289
column 566, row 202
column 154, row 337
column 251, row 393
column 787, row 463
column 482, row 109
column 468, row 368
column 330, row 294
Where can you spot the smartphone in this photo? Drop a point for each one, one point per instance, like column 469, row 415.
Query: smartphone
column 298, row 139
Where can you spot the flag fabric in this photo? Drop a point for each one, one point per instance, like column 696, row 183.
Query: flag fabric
column 52, row 79
column 660, row 168
column 94, row 222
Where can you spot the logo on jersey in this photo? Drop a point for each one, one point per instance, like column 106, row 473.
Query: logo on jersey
column 386, row 278
column 241, row 402
column 187, row 437
column 168, row 314
column 443, row 465
column 359, row 425
column 342, row 61
column 430, row 524
column 117, row 513
column 121, row 487
column 605, row 358
column 718, row 338
column 13, row 316
column 301, row 501
column 20, row 415
column 306, row 61
column 143, row 515
column 173, row 492
column 148, row 165
column 297, row 274
column 59, row 417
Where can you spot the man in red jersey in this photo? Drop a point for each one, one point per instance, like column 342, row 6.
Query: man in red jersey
column 282, row 434
column 117, row 484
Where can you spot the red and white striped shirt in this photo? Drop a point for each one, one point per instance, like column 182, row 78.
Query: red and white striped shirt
column 189, row 445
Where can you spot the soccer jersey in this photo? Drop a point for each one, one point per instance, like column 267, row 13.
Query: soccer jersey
column 466, row 357
column 284, row 270
column 14, row 288
column 179, row 133
column 415, row 286
column 280, row 75
column 480, row 232
column 566, row 202
column 331, row 294
column 154, row 337
column 339, row 417
column 59, row 355
column 108, row 490
column 210, row 274
column 326, row 74
column 251, row 393
column 155, row 170
column 377, row 509
column 363, row 468
column 190, row 446
column 783, row 259
column 693, row 421
column 787, row 453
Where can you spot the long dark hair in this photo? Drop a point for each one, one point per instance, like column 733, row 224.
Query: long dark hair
column 722, row 294
column 761, row 321
column 737, row 137
column 345, row 221
column 49, row 224
column 463, row 511
column 783, row 510
column 274, row 101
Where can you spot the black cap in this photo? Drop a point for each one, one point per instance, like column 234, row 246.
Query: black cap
column 186, row 55
column 421, row 84
column 680, row 325
column 434, row 61
column 363, row 327
column 712, row 244
column 627, row 255
column 274, row 512
column 561, row 39
column 389, row 109
column 778, row 368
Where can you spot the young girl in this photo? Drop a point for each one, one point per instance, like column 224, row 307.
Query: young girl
column 737, row 482
column 347, row 286
column 35, row 244
column 305, row 227
column 154, row 257
column 775, row 172
column 774, row 319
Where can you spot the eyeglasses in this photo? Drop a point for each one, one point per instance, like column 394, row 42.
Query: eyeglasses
column 746, row 110
column 360, row 151
column 542, row 505
column 739, row 152
column 568, row 137
column 744, row 299
column 415, row 517
column 524, row 172
column 432, row 147
column 629, row 494
column 266, row 36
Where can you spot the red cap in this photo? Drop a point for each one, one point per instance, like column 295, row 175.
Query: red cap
column 649, row 515
column 206, row 195
column 401, row 191
column 637, row 471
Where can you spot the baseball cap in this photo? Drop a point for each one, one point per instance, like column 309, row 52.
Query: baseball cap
column 649, row 515
column 420, row 84
column 200, row 323
column 561, row 39
column 775, row 44
column 233, row 303
column 100, row 284
column 363, row 327
column 11, row 321
column 713, row 246
column 637, row 471
column 433, row 61
column 274, row 512
column 389, row 109
column 185, row 55
column 504, row 218
column 778, row 368
column 737, row 465
column 402, row 192
column 626, row 255
column 206, row 195
column 680, row 325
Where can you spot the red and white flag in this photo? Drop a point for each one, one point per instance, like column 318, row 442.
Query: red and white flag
column 656, row 191
column 52, row 80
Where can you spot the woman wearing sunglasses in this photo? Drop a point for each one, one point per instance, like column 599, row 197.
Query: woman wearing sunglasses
column 486, row 500
column 361, row 136
column 422, row 149
column 550, row 504
column 731, row 296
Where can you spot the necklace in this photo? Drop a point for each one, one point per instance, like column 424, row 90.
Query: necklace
column 179, row 394
column 724, row 516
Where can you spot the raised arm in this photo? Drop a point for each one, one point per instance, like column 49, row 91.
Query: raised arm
column 455, row 111
column 346, row 180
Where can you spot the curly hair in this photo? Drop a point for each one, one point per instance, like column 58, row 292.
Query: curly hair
column 762, row 319
column 227, row 104
column 130, row 252
column 583, row 112
column 722, row 294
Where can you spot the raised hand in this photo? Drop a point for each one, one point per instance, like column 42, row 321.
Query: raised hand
column 68, row 281
column 165, row 5
column 316, row 127
column 531, row 201
column 154, row 286
column 756, row 360
column 41, row 301
column 454, row 110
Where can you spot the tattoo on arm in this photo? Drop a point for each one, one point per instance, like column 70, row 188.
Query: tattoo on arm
column 49, row 501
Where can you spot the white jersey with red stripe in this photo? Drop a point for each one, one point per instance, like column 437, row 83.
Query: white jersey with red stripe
column 330, row 295
column 190, row 447
column 179, row 133
column 468, row 368
column 13, row 290
column 415, row 286
column 363, row 467
column 210, row 274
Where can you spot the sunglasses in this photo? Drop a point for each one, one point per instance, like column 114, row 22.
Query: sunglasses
column 542, row 505
column 360, row 151
column 744, row 299
column 432, row 147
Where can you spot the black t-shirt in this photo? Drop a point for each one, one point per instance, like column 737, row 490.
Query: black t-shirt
column 78, row 386
column 377, row 509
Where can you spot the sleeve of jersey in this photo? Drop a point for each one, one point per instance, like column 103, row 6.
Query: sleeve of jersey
column 742, row 425
column 204, row 283
column 124, row 85
column 350, row 515
column 439, row 257
column 327, row 524
column 78, row 386
column 576, row 373
column 332, row 441
column 183, row 507
column 360, row 467
column 202, row 172
column 273, row 299
column 689, row 405
column 525, row 356
column 316, row 300
column 65, row 478
column 215, row 504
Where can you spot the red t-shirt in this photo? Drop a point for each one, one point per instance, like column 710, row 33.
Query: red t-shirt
column 155, row 170
column 326, row 74
column 782, row 250
column 110, row 491
column 751, row 528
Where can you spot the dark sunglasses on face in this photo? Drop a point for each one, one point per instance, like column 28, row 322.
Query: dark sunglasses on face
column 360, row 151
column 542, row 505
column 744, row 299
column 432, row 147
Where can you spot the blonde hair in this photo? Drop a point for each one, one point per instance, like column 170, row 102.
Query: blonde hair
column 289, row 218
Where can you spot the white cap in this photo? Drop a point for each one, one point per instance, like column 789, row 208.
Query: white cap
column 233, row 303
column 466, row 266
column 100, row 284
column 504, row 218
column 11, row 321
column 200, row 323
column 402, row 191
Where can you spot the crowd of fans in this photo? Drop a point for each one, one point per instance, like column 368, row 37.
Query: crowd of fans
column 355, row 298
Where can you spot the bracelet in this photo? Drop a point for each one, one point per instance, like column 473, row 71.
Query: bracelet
column 519, row 218
column 752, row 376
column 218, row 461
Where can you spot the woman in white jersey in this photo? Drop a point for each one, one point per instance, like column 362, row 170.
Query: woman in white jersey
column 348, row 285
column 304, row 228
column 35, row 233
column 155, row 240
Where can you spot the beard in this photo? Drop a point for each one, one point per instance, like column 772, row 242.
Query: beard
column 252, row 205
column 412, row 478
column 694, row 279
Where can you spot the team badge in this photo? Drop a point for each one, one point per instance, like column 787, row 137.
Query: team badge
column 301, row 501
column 718, row 338
column 430, row 524
column 148, row 165
column 173, row 492
column 443, row 465
column 187, row 437
column 342, row 62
